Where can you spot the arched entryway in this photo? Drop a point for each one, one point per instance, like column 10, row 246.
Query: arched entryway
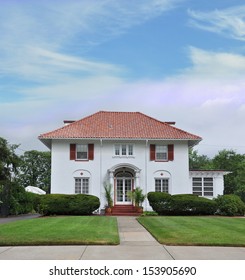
column 124, row 178
column 124, row 183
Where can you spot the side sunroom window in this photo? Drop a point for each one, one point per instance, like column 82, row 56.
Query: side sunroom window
column 203, row 186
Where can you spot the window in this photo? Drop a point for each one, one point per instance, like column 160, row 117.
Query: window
column 82, row 151
column 162, row 153
column 130, row 150
column 81, row 185
column 202, row 186
column 124, row 150
column 117, row 150
column 162, row 185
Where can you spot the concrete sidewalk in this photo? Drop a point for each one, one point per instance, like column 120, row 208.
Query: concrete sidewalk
column 136, row 244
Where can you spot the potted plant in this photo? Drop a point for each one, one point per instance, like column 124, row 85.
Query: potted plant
column 138, row 198
column 108, row 197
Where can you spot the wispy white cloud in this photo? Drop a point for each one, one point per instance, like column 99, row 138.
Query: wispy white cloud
column 45, row 40
column 215, row 65
column 227, row 22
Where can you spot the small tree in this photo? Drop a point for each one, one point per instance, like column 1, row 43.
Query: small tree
column 108, row 195
column 137, row 196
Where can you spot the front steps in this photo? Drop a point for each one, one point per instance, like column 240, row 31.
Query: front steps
column 124, row 210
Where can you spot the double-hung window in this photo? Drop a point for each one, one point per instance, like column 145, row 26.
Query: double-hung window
column 203, row 186
column 81, row 151
column 161, row 153
column 124, row 150
column 81, row 185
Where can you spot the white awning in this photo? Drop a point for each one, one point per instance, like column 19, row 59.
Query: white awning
column 35, row 190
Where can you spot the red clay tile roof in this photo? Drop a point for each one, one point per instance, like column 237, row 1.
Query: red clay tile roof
column 119, row 125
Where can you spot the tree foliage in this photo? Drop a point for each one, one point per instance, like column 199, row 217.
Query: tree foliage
column 9, row 162
column 35, row 170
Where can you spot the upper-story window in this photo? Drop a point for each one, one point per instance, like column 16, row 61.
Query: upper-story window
column 124, row 150
column 161, row 153
column 81, row 152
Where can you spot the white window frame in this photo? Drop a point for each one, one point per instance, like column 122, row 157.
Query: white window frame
column 163, row 187
column 81, row 185
column 161, row 153
column 203, row 186
column 81, row 148
column 124, row 150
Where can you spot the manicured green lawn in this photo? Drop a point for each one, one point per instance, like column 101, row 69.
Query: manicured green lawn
column 207, row 231
column 63, row 230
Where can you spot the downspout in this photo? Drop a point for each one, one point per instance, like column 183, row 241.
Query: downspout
column 146, row 177
column 101, row 183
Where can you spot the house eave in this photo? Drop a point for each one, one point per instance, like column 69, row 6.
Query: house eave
column 47, row 141
column 210, row 172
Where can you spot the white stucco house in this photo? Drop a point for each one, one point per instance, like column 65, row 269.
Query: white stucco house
column 126, row 150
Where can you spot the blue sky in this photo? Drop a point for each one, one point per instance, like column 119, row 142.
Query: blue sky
column 175, row 60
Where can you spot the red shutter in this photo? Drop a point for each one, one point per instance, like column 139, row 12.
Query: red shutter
column 72, row 151
column 171, row 152
column 91, row 151
column 152, row 152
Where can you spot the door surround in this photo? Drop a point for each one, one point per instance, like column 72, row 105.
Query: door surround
column 126, row 177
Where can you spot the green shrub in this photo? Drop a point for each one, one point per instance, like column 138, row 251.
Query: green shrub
column 181, row 204
column 65, row 204
column 160, row 202
column 230, row 205
column 189, row 204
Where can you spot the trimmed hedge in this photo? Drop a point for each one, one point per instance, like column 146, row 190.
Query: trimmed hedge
column 181, row 204
column 67, row 204
column 230, row 205
column 160, row 202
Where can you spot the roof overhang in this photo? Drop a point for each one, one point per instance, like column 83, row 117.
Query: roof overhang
column 48, row 141
column 208, row 172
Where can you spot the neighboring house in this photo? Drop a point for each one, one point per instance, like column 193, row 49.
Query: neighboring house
column 126, row 150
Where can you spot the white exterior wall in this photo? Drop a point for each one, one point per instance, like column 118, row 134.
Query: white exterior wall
column 64, row 170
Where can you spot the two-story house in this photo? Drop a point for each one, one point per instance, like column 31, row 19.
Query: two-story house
column 126, row 150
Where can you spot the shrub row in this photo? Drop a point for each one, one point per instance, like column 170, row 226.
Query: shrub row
column 67, row 204
column 188, row 204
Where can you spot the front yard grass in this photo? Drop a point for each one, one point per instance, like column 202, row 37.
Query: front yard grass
column 204, row 231
column 63, row 230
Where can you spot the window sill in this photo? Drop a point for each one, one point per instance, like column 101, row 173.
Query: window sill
column 123, row 157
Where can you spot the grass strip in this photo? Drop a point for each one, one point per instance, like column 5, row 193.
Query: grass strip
column 199, row 231
column 63, row 230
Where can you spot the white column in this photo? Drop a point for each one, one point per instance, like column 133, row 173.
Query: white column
column 137, row 179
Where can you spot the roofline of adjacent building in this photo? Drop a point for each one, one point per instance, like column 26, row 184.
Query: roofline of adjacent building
column 225, row 172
